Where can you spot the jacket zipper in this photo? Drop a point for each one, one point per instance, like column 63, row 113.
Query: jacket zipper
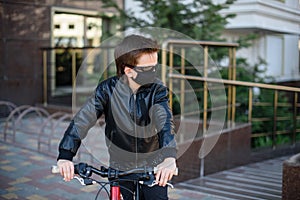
column 135, row 130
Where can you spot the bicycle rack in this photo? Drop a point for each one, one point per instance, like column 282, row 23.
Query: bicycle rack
column 52, row 130
column 40, row 130
column 6, row 108
column 10, row 122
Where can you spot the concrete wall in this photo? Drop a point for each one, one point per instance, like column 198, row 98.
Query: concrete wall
column 291, row 178
column 232, row 149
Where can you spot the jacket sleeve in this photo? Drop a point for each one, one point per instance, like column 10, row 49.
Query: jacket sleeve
column 84, row 119
column 164, row 123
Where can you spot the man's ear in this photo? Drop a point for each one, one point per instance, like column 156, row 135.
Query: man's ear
column 128, row 72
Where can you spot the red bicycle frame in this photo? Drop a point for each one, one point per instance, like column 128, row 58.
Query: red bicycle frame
column 115, row 193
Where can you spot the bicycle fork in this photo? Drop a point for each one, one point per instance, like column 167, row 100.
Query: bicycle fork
column 115, row 193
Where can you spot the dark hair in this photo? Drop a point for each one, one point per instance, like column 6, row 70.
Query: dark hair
column 130, row 49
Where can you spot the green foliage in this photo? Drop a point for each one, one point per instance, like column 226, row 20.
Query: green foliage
column 199, row 19
column 246, row 41
column 298, row 137
column 262, row 142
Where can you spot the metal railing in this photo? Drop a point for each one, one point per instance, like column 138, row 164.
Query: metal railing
column 168, row 47
column 291, row 105
column 275, row 105
column 174, row 55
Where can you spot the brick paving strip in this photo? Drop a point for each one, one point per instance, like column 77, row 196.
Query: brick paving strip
column 25, row 174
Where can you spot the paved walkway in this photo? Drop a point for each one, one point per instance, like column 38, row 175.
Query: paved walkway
column 261, row 180
column 25, row 174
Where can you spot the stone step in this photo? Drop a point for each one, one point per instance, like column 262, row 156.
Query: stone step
column 261, row 180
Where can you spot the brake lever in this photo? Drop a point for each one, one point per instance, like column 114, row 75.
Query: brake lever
column 155, row 183
column 84, row 181
column 81, row 181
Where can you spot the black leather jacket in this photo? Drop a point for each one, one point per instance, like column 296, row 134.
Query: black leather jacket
column 139, row 127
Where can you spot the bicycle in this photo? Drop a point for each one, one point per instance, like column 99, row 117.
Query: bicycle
column 145, row 176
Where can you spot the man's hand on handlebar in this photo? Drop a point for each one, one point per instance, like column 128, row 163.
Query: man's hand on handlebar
column 165, row 172
column 66, row 169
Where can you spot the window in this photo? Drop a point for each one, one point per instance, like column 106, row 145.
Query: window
column 69, row 31
column 90, row 42
column 71, row 26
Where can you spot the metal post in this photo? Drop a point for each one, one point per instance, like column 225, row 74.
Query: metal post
column 182, row 92
column 105, row 63
column 233, row 88
column 205, row 94
column 170, row 79
column 205, row 90
column 74, row 77
column 202, row 166
column 275, row 119
column 229, row 93
column 295, row 118
column 45, row 88
column 164, row 65
column 250, row 105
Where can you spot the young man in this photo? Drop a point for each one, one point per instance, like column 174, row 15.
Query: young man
column 139, row 127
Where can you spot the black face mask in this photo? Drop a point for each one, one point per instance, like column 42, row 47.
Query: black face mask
column 145, row 77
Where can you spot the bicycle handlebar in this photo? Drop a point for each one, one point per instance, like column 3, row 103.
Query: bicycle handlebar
column 85, row 170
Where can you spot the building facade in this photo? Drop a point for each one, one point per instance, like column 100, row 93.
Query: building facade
column 29, row 26
column 277, row 24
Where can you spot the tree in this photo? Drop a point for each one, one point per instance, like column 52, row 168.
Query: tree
column 199, row 19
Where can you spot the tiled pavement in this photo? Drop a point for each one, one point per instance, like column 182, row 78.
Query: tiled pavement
column 25, row 174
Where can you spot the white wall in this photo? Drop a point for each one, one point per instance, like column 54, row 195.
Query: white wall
column 291, row 57
column 275, row 55
column 293, row 3
column 281, row 52
column 278, row 27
